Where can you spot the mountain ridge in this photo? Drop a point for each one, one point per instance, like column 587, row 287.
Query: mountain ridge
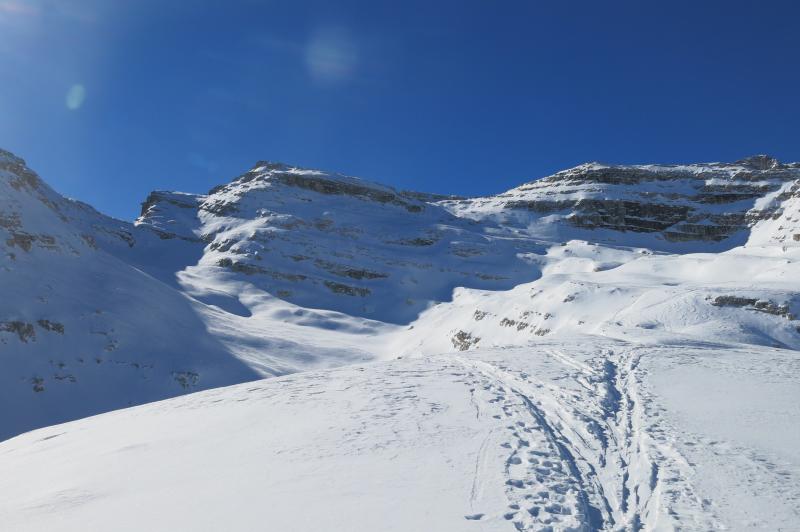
column 569, row 354
column 286, row 269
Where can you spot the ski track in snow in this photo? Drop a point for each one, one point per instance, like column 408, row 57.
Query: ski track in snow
column 612, row 468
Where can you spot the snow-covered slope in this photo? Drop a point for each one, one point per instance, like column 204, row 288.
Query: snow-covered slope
column 611, row 347
column 747, row 295
column 782, row 226
column 286, row 269
column 82, row 331
column 330, row 241
column 582, row 433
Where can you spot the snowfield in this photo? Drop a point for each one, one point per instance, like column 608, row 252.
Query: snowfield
column 578, row 434
column 608, row 348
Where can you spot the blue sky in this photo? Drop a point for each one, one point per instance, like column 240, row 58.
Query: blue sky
column 108, row 100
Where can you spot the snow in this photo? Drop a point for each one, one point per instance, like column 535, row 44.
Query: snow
column 569, row 433
column 738, row 414
column 431, row 364
column 343, row 450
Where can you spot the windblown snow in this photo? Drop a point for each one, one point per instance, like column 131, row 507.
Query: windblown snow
column 607, row 348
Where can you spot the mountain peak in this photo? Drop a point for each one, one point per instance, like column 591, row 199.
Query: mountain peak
column 261, row 166
column 7, row 156
column 17, row 172
column 760, row 162
column 268, row 174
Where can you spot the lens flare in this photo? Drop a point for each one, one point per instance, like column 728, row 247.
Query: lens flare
column 331, row 56
column 75, row 97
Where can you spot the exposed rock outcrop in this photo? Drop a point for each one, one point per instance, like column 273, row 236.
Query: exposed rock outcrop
column 690, row 203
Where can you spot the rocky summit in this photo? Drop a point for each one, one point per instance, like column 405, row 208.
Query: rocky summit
column 708, row 206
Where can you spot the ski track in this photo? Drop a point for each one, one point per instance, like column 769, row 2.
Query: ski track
column 593, row 456
column 544, row 487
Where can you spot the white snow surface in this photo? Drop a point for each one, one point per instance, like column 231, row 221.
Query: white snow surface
column 576, row 434
column 433, row 363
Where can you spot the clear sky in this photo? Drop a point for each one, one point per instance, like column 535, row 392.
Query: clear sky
column 109, row 99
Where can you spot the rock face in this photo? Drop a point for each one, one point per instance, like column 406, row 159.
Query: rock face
column 710, row 205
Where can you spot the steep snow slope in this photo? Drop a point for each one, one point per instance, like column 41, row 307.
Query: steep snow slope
column 81, row 331
column 782, row 228
column 583, row 433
